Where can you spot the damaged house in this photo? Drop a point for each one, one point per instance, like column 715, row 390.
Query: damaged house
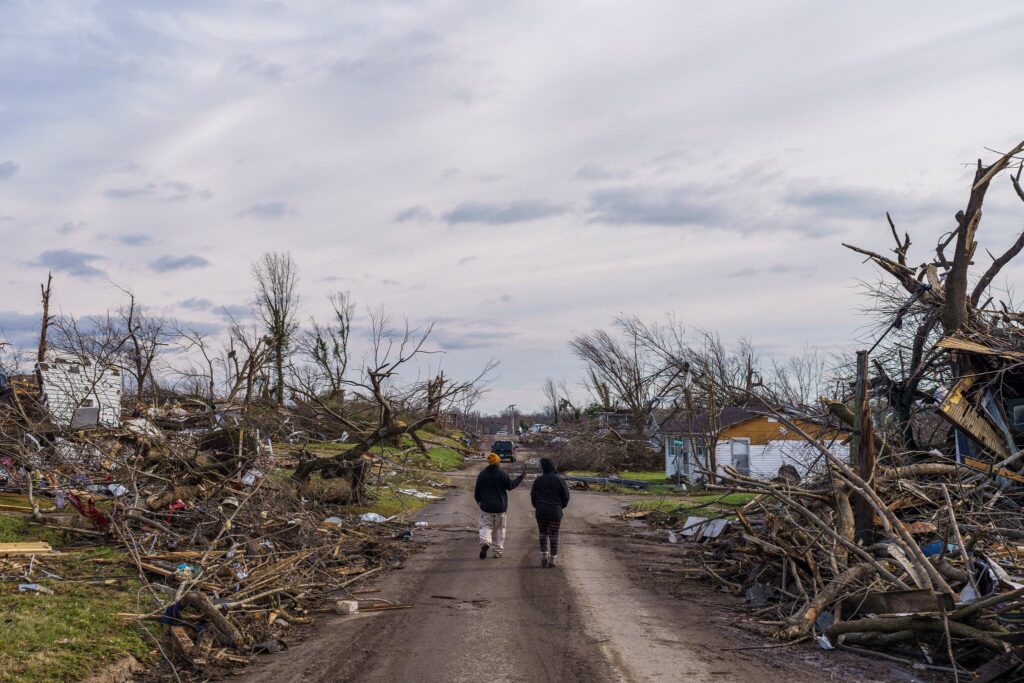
column 752, row 443
column 79, row 393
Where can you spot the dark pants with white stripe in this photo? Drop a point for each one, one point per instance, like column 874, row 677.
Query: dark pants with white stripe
column 549, row 531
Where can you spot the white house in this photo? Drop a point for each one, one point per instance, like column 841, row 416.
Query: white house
column 80, row 393
column 754, row 445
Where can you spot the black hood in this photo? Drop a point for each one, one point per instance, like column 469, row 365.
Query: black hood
column 546, row 466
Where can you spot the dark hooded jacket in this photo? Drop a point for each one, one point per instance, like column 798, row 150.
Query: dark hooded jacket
column 492, row 485
column 549, row 494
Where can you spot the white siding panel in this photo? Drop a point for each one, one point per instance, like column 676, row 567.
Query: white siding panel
column 765, row 461
column 723, row 455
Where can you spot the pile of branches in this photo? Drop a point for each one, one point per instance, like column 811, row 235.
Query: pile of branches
column 235, row 544
column 940, row 575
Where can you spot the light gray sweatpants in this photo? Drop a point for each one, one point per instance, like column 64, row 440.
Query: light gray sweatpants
column 492, row 529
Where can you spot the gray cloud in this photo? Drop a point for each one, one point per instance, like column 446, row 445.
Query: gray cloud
column 682, row 205
column 471, row 339
column 844, row 202
column 414, row 213
column 235, row 311
column 777, row 269
column 196, row 304
column 19, row 329
column 70, row 261
column 177, row 191
column 70, row 227
column 269, row 211
column 7, row 169
column 130, row 192
column 201, row 327
column 168, row 191
column 501, row 213
column 248, row 65
column 466, row 259
column 592, row 171
column 505, row 298
column 186, row 262
column 865, row 203
column 135, row 239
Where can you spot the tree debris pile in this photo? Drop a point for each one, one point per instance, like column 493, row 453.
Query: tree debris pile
column 947, row 581
column 915, row 547
column 248, row 495
column 234, row 549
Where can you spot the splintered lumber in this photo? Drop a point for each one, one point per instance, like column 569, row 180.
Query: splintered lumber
column 226, row 631
column 998, row 471
column 182, row 640
column 957, row 409
column 26, row 548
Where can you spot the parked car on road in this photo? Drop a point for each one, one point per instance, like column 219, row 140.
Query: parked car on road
column 506, row 450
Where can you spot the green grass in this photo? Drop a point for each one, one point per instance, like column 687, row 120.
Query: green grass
column 658, row 476
column 444, row 459
column 15, row 529
column 389, row 502
column 76, row 631
column 705, row 505
column 14, row 499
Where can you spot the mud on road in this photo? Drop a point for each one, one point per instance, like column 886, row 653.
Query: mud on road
column 612, row 611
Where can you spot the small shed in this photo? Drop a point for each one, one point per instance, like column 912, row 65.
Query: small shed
column 80, row 393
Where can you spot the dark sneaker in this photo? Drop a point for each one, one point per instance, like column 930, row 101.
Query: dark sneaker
column 497, row 554
column 483, row 551
column 544, row 560
column 553, row 561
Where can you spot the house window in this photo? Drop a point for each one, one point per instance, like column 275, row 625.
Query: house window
column 740, row 449
column 88, row 403
column 74, row 369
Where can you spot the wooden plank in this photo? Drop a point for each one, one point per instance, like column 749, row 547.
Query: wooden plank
column 999, row 471
column 30, row 548
column 957, row 410
column 961, row 344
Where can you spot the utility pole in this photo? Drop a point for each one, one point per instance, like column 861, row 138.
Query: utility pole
column 512, row 418
column 863, row 451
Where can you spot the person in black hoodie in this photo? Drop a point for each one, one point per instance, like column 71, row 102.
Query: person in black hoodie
column 491, row 494
column 549, row 496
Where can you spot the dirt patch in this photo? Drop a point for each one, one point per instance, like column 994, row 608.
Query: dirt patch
column 730, row 632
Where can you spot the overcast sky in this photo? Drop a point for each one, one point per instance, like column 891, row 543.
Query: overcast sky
column 519, row 172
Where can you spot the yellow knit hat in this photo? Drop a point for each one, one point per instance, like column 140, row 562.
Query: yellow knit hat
column 493, row 458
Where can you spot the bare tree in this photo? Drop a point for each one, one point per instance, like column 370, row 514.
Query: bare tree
column 924, row 302
column 325, row 346
column 277, row 301
column 553, row 399
column 636, row 375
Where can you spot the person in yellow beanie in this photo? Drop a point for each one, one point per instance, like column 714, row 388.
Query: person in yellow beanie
column 491, row 494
